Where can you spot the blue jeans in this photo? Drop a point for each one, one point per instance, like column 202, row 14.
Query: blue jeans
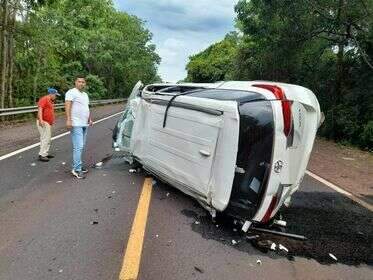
column 78, row 137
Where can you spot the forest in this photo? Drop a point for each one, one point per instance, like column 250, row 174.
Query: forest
column 45, row 43
column 324, row 45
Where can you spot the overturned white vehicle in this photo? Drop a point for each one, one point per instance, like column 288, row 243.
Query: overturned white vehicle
column 237, row 147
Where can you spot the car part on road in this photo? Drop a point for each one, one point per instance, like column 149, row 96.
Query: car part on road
column 290, row 235
column 237, row 147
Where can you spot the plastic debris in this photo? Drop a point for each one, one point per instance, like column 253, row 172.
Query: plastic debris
column 60, row 271
column 117, row 149
column 99, row 164
column 63, row 163
column 217, row 226
column 258, row 262
column 280, row 223
column 59, row 182
column 113, row 192
column 251, row 237
column 156, row 235
column 246, row 226
column 200, row 270
column 94, row 222
column 197, row 222
column 273, row 246
column 333, row 257
column 33, row 164
column 132, row 170
column 168, row 194
column 283, row 248
column 234, row 242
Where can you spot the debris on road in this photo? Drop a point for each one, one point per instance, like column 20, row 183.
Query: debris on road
column 113, row 192
column 283, row 248
column 117, row 149
column 197, row 222
column 60, row 271
column 251, row 237
column 290, row 235
column 246, row 226
column 63, row 163
column 168, row 194
column 132, row 170
column 333, row 257
column 58, row 182
column 273, row 246
column 258, row 262
column 33, row 164
column 94, row 222
column 104, row 175
column 280, row 223
column 234, row 242
column 156, row 235
column 200, row 270
column 96, row 210
column 99, row 164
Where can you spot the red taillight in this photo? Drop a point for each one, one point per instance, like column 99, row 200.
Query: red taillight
column 285, row 104
column 272, row 206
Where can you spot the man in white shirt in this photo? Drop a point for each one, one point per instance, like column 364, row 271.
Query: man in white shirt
column 78, row 118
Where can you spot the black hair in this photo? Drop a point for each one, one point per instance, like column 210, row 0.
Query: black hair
column 79, row 76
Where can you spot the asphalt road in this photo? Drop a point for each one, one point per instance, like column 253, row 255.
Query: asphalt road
column 53, row 226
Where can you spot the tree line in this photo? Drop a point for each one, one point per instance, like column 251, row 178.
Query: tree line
column 325, row 45
column 45, row 43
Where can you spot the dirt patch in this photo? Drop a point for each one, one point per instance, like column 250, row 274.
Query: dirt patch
column 347, row 167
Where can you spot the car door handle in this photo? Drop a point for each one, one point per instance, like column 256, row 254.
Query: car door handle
column 204, row 153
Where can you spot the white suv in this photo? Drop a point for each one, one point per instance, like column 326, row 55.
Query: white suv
column 237, row 147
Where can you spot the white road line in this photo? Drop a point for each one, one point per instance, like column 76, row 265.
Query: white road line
column 53, row 138
column 340, row 190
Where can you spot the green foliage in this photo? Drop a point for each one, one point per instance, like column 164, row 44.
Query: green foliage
column 325, row 45
column 96, row 88
column 60, row 38
column 215, row 63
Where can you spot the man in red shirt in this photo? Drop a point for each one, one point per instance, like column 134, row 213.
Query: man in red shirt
column 45, row 121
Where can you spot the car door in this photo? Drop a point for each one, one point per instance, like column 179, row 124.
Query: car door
column 182, row 152
column 126, row 122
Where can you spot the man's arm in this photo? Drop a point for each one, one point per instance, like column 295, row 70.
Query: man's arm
column 40, row 116
column 68, row 114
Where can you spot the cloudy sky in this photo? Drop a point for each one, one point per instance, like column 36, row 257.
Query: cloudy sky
column 182, row 28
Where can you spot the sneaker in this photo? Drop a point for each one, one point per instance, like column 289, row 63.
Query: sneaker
column 50, row 156
column 42, row 158
column 78, row 174
column 84, row 170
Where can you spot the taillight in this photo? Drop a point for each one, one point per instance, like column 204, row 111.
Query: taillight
column 285, row 104
column 272, row 206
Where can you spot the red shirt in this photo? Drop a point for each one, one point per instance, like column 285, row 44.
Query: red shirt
column 47, row 106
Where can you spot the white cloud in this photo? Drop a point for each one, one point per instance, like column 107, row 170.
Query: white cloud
column 182, row 28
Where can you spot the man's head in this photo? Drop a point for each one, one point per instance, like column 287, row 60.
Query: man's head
column 53, row 93
column 80, row 82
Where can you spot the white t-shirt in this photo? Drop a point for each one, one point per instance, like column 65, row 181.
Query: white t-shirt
column 80, row 107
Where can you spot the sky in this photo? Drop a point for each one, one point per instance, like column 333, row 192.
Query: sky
column 181, row 28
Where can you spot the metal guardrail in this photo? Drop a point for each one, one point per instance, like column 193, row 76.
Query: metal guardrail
column 32, row 109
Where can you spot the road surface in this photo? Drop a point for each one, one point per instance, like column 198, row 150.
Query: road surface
column 53, row 226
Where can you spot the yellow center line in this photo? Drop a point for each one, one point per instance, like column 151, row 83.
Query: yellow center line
column 132, row 257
